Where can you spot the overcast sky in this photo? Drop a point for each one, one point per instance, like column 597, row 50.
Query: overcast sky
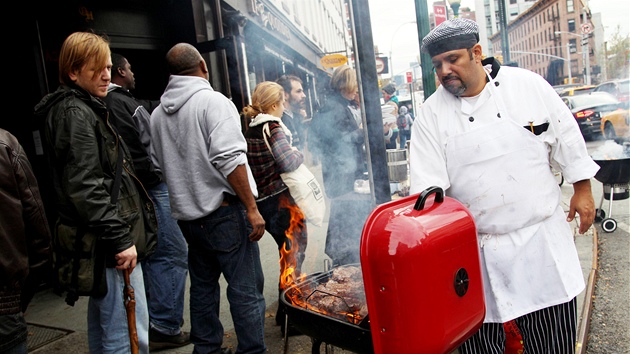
column 394, row 30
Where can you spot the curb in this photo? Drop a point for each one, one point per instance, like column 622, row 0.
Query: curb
column 585, row 323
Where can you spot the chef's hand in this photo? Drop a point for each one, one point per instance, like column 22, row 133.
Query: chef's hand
column 582, row 203
column 127, row 259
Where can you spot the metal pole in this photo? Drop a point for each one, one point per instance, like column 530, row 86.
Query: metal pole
column 587, row 56
column 391, row 62
column 370, row 102
column 505, row 45
column 569, row 61
column 413, row 101
column 422, row 21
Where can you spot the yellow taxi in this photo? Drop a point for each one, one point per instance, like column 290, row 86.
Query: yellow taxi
column 616, row 123
column 578, row 90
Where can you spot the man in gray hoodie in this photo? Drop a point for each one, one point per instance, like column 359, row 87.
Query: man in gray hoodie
column 198, row 145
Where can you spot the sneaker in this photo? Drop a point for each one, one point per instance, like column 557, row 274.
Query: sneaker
column 158, row 341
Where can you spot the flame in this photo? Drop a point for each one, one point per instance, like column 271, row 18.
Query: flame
column 289, row 275
column 288, row 261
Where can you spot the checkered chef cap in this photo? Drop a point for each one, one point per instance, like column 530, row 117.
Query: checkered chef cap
column 458, row 33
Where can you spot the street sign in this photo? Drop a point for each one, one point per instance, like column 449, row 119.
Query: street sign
column 439, row 14
column 586, row 28
column 333, row 60
column 381, row 65
column 584, row 40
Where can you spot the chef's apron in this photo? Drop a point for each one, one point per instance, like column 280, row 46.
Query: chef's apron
column 500, row 172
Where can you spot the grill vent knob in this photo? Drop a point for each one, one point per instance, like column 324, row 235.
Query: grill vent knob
column 461, row 282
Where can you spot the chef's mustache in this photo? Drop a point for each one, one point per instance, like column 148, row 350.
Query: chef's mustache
column 450, row 77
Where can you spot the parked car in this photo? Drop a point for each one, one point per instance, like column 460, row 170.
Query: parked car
column 618, row 88
column 560, row 88
column 588, row 110
column 578, row 90
column 617, row 123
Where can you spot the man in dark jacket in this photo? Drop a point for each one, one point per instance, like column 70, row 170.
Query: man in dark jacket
column 99, row 198
column 166, row 270
column 294, row 100
column 25, row 238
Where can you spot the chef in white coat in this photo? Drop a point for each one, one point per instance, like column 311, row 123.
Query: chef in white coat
column 488, row 136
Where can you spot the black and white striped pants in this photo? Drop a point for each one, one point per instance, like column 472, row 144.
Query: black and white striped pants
column 551, row 330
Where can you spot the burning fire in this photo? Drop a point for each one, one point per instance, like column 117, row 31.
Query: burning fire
column 288, row 252
column 290, row 275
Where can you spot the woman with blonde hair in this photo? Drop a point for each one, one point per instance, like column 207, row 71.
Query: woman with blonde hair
column 338, row 139
column 269, row 153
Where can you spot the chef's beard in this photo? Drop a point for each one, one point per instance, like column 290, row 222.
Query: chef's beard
column 456, row 89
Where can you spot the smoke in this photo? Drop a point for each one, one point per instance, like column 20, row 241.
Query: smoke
column 611, row 150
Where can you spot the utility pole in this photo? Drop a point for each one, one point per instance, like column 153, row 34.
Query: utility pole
column 569, row 61
column 587, row 57
column 422, row 21
column 370, row 103
column 505, row 45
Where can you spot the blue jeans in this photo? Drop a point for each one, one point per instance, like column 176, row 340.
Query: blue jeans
column 13, row 334
column 107, row 318
column 219, row 243
column 404, row 136
column 165, row 271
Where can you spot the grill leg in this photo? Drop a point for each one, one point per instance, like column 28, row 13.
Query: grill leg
column 316, row 345
column 286, row 333
column 610, row 201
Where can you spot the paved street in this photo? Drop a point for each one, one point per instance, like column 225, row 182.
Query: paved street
column 65, row 327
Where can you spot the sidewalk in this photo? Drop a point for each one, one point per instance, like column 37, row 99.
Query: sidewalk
column 55, row 327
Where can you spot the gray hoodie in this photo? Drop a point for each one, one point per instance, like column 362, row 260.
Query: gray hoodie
column 196, row 141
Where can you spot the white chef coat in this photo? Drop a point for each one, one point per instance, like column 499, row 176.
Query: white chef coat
column 528, row 255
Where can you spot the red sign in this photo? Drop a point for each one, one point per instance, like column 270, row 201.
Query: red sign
column 439, row 12
column 409, row 78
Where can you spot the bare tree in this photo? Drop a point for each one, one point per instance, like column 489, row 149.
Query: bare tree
column 617, row 53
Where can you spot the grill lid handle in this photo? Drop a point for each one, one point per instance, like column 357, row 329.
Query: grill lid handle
column 439, row 196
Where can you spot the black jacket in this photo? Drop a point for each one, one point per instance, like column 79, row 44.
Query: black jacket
column 131, row 118
column 25, row 255
column 83, row 150
column 338, row 140
column 295, row 124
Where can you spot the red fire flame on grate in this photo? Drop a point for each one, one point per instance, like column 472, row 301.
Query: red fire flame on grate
column 288, row 261
column 289, row 276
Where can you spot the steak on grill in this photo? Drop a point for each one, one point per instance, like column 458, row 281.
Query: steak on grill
column 342, row 294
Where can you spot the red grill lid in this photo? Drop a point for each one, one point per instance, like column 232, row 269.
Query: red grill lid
column 422, row 275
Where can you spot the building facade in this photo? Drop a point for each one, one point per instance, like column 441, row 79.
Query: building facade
column 487, row 13
column 243, row 41
column 550, row 37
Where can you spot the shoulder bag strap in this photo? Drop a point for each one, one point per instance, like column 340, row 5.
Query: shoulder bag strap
column 265, row 131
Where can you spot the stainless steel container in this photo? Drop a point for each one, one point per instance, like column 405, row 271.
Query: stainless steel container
column 397, row 166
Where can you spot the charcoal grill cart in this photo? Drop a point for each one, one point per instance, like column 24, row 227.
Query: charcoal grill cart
column 614, row 174
column 422, row 282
